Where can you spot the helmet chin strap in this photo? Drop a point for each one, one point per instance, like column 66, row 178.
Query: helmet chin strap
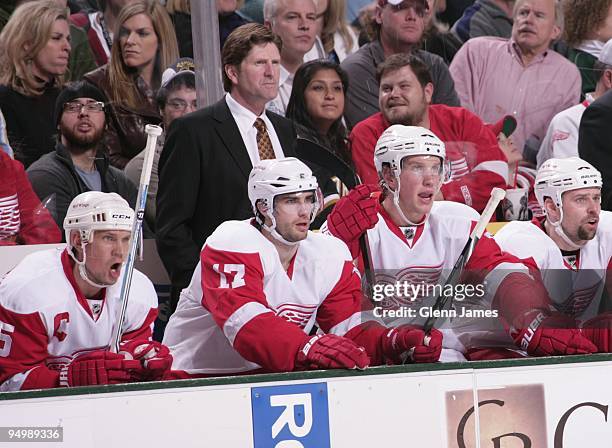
column 277, row 236
column 396, row 197
column 559, row 231
column 83, row 269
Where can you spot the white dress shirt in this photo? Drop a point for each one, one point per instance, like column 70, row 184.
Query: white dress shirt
column 245, row 119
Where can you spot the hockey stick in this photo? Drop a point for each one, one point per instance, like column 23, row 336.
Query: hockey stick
column 497, row 194
column 312, row 152
column 126, row 279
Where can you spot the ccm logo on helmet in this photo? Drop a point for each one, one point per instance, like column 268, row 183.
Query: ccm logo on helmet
column 120, row 216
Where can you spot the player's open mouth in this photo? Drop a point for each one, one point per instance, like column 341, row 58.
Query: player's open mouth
column 115, row 269
column 426, row 196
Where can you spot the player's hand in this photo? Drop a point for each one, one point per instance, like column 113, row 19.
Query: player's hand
column 408, row 342
column 329, row 351
column 354, row 214
column 154, row 357
column 599, row 331
column 551, row 335
column 100, row 367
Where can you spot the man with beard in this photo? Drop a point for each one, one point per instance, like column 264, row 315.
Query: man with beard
column 571, row 246
column 477, row 163
column 76, row 165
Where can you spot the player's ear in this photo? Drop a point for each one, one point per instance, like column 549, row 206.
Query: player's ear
column 551, row 209
column 75, row 242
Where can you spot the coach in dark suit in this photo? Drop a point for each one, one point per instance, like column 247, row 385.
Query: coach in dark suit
column 595, row 143
column 208, row 154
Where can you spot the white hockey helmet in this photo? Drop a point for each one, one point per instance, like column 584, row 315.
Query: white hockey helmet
column 94, row 210
column 273, row 177
column 399, row 141
column 556, row 176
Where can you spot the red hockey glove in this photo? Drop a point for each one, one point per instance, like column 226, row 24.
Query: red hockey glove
column 408, row 342
column 549, row 335
column 599, row 331
column 154, row 357
column 353, row 215
column 100, row 367
column 329, row 351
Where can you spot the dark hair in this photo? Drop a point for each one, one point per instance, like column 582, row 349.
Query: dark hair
column 239, row 43
column 400, row 60
column 79, row 89
column 182, row 79
column 298, row 112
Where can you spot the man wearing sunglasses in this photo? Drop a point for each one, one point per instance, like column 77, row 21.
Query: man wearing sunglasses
column 76, row 165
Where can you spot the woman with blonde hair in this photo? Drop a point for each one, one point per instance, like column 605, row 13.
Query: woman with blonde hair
column 34, row 54
column 145, row 45
column 337, row 37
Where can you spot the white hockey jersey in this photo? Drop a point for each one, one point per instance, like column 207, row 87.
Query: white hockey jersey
column 45, row 321
column 227, row 319
column 574, row 289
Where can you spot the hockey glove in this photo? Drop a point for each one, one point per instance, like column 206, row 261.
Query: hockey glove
column 408, row 342
column 100, row 367
column 599, row 331
column 329, row 351
column 353, row 215
column 551, row 334
column 154, row 357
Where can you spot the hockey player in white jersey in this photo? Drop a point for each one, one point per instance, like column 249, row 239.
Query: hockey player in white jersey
column 413, row 240
column 58, row 307
column 571, row 247
column 262, row 284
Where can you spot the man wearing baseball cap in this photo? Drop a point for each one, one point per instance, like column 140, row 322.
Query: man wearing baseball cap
column 175, row 98
column 77, row 165
column 398, row 27
column 561, row 139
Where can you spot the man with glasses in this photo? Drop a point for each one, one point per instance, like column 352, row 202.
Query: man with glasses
column 175, row 98
column 76, row 165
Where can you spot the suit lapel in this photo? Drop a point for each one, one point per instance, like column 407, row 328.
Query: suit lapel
column 228, row 132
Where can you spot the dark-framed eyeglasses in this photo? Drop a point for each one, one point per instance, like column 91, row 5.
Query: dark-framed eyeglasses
column 181, row 105
column 74, row 107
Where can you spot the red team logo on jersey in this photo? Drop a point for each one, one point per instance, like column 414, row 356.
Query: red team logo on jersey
column 60, row 325
column 296, row 313
column 413, row 281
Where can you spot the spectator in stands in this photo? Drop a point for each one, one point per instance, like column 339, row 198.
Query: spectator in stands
column 521, row 76
column 4, row 143
column 77, row 165
column 587, row 27
column 146, row 44
column 334, row 35
column 81, row 58
column 398, row 26
column 594, row 137
column 317, row 104
column 477, row 164
column 294, row 21
column 437, row 39
column 561, row 139
column 34, row 52
column 175, row 98
column 99, row 27
column 485, row 18
column 23, row 220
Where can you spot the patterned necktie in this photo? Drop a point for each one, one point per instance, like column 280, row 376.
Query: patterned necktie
column 264, row 144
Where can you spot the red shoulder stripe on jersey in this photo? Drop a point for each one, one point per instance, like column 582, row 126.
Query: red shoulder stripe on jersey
column 146, row 329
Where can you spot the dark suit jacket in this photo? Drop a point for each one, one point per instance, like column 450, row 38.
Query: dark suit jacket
column 204, row 171
column 595, row 142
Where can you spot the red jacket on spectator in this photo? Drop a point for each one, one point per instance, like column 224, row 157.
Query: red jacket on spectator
column 22, row 218
column 477, row 163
